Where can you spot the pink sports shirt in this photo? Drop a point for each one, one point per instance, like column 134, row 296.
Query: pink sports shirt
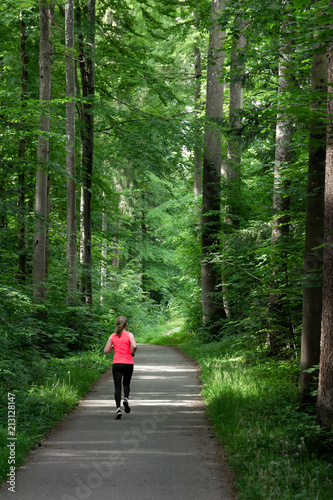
column 122, row 348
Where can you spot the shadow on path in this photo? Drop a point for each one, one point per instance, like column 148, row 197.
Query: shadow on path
column 164, row 449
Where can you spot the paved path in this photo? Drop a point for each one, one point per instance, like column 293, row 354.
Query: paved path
column 163, row 450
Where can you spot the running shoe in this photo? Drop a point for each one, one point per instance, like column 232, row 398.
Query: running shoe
column 126, row 406
column 118, row 414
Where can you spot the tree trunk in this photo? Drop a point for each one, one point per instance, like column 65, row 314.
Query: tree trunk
column 197, row 131
column 279, row 327
column 87, row 68
column 104, row 251
column 116, row 253
column 314, row 234
column 212, row 302
column 41, row 193
column 325, row 388
column 70, row 154
column 237, row 71
column 143, row 245
column 234, row 156
column 22, row 147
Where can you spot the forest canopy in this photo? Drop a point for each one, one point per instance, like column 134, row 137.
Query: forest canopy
column 164, row 159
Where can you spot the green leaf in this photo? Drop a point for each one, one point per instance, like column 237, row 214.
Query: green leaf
column 299, row 3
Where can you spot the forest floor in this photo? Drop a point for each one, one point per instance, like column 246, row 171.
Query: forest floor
column 165, row 448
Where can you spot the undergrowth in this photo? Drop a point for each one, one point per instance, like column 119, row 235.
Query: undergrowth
column 55, row 389
column 275, row 449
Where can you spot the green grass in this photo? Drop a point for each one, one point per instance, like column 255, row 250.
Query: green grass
column 276, row 451
column 158, row 333
column 56, row 389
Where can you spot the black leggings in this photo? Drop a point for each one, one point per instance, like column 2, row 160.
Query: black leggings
column 121, row 371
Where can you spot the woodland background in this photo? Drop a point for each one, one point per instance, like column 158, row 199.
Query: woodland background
column 166, row 161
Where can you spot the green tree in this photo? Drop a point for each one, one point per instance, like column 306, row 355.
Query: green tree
column 314, row 231
column 70, row 154
column 43, row 154
column 86, row 37
column 212, row 303
column 236, row 104
column 21, row 154
column 325, row 387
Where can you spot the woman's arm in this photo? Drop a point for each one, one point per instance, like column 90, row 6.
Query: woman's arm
column 108, row 347
column 133, row 343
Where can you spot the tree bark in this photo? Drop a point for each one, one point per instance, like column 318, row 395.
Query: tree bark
column 234, row 140
column 325, row 388
column 104, row 250
column 314, row 234
column 237, row 71
column 212, row 302
column 22, row 147
column 87, row 68
column 41, row 192
column 279, row 326
column 197, row 131
column 143, row 245
column 70, row 155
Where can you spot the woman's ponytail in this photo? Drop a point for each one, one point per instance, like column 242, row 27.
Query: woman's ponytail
column 121, row 323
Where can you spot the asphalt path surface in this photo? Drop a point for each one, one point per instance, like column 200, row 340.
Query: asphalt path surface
column 163, row 449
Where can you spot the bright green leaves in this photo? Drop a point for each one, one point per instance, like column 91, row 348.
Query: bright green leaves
column 302, row 3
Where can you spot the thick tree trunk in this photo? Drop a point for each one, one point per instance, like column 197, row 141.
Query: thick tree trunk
column 87, row 68
column 41, row 196
column 70, row 154
column 237, row 71
column 325, row 388
column 234, row 156
column 212, row 302
column 22, row 147
column 314, row 234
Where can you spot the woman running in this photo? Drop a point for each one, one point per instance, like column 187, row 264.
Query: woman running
column 124, row 346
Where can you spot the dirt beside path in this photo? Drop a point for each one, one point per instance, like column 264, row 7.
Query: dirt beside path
column 163, row 450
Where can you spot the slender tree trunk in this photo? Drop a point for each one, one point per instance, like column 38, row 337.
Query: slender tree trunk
column 47, row 246
column 325, row 388
column 70, row 154
column 279, row 327
column 116, row 253
column 121, row 205
column 41, row 193
column 22, row 147
column 87, row 68
column 198, row 133
column 104, row 251
column 212, row 302
column 314, row 233
column 143, row 244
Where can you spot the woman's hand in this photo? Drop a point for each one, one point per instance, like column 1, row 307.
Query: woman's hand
column 108, row 347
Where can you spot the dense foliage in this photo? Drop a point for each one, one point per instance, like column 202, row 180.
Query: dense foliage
column 148, row 123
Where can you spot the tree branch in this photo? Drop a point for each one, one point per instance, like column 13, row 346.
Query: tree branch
column 141, row 119
column 244, row 270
